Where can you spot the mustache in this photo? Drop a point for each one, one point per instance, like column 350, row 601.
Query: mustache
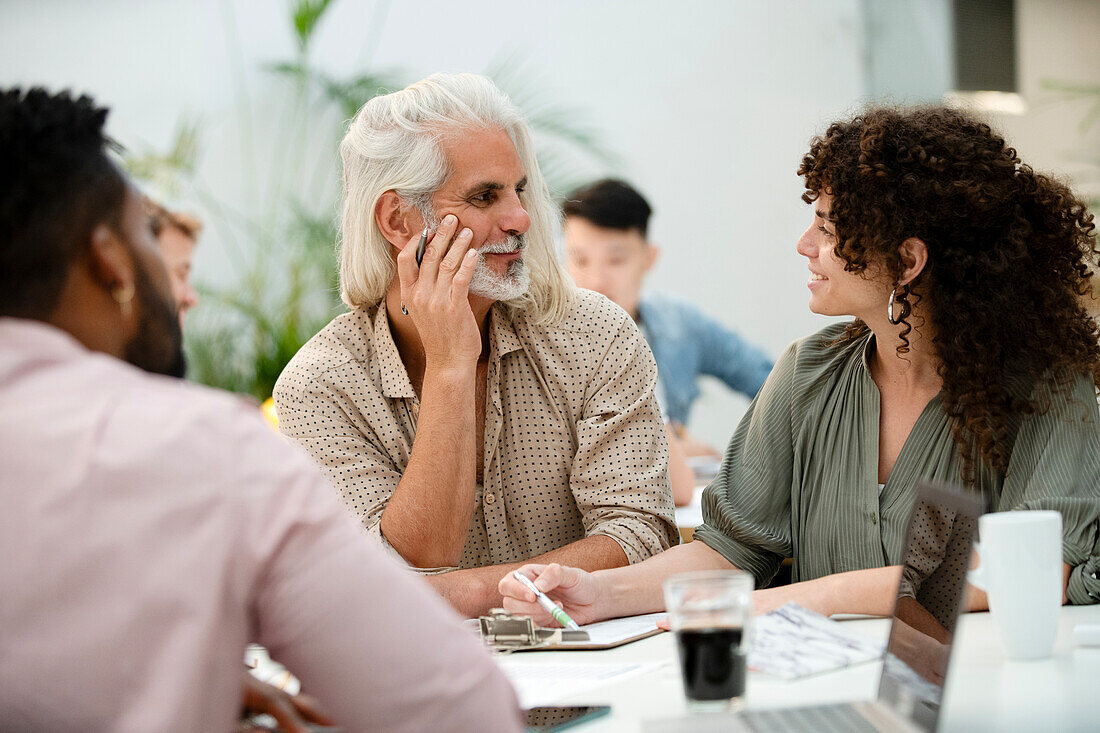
column 514, row 243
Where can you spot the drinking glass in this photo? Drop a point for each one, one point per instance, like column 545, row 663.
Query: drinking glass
column 709, row 612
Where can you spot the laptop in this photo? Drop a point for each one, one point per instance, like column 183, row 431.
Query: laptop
column 910, row 691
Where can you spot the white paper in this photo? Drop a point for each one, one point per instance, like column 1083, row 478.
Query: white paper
column 539, row 683
column 792, row 642
column 619, row 629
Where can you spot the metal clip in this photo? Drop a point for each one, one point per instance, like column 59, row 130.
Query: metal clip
column 510, row 631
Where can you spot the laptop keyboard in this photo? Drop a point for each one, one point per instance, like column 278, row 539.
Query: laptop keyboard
column 815, row 719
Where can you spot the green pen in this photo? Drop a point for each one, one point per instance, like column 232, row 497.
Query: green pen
column 544, row 600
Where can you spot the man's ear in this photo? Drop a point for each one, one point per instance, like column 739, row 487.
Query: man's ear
column 652, row 254
column 914, row 255
column 110, row 262
column 397, row 220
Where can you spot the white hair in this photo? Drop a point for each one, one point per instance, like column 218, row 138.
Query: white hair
column 394, row 144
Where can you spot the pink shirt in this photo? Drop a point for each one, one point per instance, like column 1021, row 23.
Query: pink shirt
column 150, row 528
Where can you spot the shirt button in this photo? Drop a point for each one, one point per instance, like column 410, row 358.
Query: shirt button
column 490, row 498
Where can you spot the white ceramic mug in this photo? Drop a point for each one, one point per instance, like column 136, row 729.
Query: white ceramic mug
column 1020, row 555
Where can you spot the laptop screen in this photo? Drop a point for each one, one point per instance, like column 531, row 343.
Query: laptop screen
column 930, row 598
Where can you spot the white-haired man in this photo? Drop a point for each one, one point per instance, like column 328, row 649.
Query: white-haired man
column 478, row 410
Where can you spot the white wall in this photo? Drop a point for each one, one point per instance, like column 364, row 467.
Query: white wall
column 1057, row 41
column 709, row 104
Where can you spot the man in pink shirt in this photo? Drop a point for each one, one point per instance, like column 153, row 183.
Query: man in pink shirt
column 152, row 527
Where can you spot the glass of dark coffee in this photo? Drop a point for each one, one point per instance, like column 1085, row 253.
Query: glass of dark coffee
column 709, row 612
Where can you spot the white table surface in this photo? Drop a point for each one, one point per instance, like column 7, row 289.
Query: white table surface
column 984, row 691
column 691, row 515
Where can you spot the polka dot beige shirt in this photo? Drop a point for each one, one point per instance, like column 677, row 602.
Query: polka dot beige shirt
column 574, row 443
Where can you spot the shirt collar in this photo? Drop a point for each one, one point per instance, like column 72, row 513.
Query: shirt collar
column 503, row 338
column 866, row 351
column 390, row 371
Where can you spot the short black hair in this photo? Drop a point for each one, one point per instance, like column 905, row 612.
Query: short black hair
column 609, row 203
column 57, row 184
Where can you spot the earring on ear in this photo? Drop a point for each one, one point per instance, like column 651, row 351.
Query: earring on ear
column 404, row 310
column 124, row 295
column 902, row 298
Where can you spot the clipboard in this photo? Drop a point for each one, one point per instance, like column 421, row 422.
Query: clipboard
column 512, row 633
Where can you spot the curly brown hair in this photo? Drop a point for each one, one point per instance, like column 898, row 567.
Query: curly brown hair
column 1009, row 255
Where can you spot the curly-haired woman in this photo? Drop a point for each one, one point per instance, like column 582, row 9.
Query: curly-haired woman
column 970, row 360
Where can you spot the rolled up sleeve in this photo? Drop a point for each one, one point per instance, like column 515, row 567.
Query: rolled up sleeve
column 1080, row 543
column 727, row 356
column 619, row 476
column 1056, row 466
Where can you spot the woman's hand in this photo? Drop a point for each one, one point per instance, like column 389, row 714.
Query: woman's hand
column 436, row 296
column 576, row 591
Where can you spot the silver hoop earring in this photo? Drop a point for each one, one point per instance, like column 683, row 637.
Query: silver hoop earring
column 404, row 310
column 890, row 308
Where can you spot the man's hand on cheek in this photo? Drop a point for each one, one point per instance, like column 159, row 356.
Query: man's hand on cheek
column 436, row 295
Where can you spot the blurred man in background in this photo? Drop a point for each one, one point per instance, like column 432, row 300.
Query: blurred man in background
column 607, row 250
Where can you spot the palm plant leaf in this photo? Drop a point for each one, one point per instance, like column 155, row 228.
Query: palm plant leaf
column 305, row 15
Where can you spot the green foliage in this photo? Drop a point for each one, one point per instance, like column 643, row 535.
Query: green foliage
column 164, row 170
column 1076, row 90
column 1089, row 151
column 304, row 16
column 1090, row 155
column 240, row 338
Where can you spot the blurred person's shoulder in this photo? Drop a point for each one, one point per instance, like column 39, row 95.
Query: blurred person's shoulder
column 219, row 438
column 112, row 417
column 672, row 303
column 672, row 315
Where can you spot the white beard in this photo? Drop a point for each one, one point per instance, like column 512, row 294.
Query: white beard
column 485, row 281
column 514, row 283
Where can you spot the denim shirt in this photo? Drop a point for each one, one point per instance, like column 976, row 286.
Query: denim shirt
column 686, row 343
